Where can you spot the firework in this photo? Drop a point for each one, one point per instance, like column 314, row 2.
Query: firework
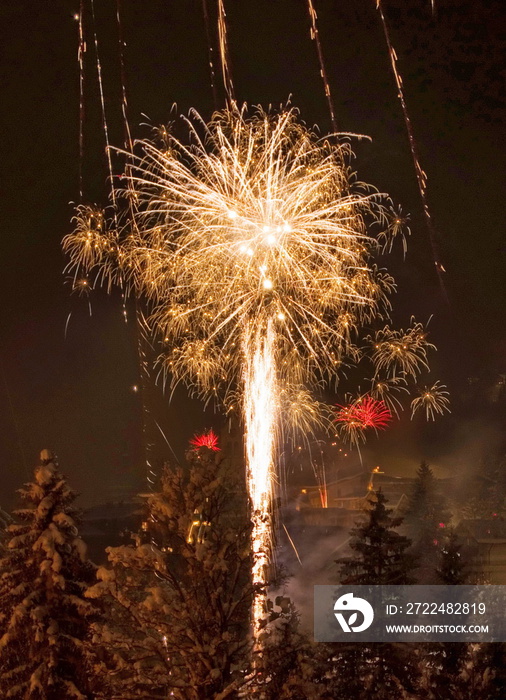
column 360, row 415
column 253, row 248
column 260, row 417
column 399, row 351
column 302, row 413
column 386, row 388
column 209, row 440
column 397, row 229
column 433, row 399
column 257, row 220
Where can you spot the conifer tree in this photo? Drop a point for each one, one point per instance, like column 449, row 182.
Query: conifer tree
column 379, row 557
column 291, row 666
column 379, row 551
column 489, row 671
column 448, row 662
column 426, row 519
column 451, row 569
column 44, row 616
column 179, row 596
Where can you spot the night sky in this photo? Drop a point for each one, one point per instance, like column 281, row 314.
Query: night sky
column 74, row 394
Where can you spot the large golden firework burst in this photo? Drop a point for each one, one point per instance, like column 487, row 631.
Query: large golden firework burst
column 253, row 245
column 256, row 219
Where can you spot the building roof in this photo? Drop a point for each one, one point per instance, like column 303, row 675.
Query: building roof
column 492, row 531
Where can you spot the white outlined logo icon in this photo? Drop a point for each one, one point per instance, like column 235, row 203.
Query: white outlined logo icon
column 350, row 603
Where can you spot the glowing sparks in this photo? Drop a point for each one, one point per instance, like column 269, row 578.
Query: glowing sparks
column 385, row 389
column 260, row 417
column 252, row 249
column 302, row 414
column 201, row 247
column 364, row 413
column 433, row 399
column 401, row 351
column 209, row 440
column 371, row 413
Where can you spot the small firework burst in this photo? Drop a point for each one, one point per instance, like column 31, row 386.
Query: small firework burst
column 363, row 413
column 397, row 227
column 209, row 440
column 82, row 286
column 384, row 389
column 399, row 351
column 302, row 414
column 369, row 412
column 434, row 399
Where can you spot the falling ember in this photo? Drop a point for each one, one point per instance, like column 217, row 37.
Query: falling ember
column 260, row 417
column 209, row 440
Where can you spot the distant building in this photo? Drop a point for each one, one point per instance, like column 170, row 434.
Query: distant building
column 325, row 513
column 339, row 502
column 485, row 543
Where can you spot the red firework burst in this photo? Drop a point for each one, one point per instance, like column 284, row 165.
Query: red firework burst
column 209, row 440
column 363, row 413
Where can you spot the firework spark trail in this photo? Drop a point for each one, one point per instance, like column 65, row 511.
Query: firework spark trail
column 124, row 101
column 421, row 175
column 261, row 418
column 102, row 104
column 226, row 71
column 210, row 49
column 253, row 246
column 80, row 59
column 315, row 35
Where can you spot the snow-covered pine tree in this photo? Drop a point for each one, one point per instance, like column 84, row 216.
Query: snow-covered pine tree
column 44, row 615
column 448, row 664
column 489, row 672
column 379, row 551
column 179, row 597
column 451, row 569
column 426, row 519
column 379, row 557
column 290, row 666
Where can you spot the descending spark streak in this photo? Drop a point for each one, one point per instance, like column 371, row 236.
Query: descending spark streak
column 315, row 35
column 124, row 101
column 260, row 414
column 210, row 48
column 421, row 176
column 80, row 58
column 293, row 544
column 102, row 103
column 224, row 51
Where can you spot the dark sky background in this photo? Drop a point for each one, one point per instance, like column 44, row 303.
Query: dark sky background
column 74, row 393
